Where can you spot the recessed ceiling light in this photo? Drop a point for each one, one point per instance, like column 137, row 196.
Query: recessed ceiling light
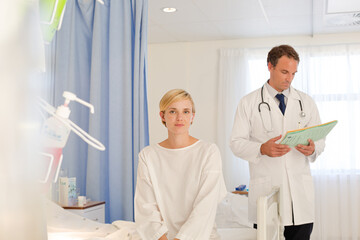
column 169, row 9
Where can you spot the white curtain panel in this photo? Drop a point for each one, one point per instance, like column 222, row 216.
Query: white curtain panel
column 337, row 209
column 330, row 74
column 232, row 86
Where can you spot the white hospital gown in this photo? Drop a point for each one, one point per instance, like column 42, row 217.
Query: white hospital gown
column 177, row 192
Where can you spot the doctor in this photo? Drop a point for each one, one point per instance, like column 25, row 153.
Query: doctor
column 261, row 119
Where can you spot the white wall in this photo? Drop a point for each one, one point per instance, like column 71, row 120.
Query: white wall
column 193, row 66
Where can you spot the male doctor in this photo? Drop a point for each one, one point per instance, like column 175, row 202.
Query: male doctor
column 261, row 119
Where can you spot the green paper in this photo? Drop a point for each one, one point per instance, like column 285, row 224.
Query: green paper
column 301, row 136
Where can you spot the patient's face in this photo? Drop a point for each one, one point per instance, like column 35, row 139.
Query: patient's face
column 178, row 117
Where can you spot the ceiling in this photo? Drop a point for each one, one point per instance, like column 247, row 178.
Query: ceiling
column 204, row 20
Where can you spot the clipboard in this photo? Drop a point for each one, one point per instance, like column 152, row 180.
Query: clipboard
column 301, row 136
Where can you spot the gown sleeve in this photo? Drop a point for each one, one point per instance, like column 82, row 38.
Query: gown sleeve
column 150, row 224
column 212, row 190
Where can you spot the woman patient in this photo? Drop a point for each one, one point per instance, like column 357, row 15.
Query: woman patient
column 179, row 180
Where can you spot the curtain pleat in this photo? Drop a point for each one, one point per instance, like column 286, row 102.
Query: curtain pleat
column 101, row 53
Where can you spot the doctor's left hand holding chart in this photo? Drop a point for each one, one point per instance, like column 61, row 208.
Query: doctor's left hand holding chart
column 262, row 117
column 179, row 180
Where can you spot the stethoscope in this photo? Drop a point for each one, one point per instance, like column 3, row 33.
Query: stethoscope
column 269, row 129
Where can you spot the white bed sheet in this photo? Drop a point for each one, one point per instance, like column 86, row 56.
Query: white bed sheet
column 232, row 212
column 237, row 233
column 231, row 219
column 64, row 225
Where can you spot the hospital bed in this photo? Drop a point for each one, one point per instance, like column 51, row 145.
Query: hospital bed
column 231, row 220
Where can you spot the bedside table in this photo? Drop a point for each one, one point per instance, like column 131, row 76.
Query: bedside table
column 93, row 210
column 241, row 192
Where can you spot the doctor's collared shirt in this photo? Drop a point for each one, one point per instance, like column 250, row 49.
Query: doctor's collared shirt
column 273, row 93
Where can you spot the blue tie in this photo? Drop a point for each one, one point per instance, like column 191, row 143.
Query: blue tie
column 282, row 106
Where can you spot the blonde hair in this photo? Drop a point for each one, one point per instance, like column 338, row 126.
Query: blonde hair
column 172, row 96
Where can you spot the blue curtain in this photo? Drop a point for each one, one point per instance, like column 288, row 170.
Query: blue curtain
column 101, row 55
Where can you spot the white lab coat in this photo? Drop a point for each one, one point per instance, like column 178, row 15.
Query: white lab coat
column 290, row 172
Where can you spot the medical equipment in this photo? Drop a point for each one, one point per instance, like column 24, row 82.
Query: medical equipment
column 55, row 133
column 269, row 129
column 51, row 15
column 232, row 218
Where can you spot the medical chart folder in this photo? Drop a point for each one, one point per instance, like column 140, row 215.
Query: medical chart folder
column 301, row 136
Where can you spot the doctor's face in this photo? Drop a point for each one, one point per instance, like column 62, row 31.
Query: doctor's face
column 178, row 117
column 283, row 73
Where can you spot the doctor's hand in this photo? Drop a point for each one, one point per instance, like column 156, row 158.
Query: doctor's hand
column 163, row 237
column 307, row 150
column 273, row 149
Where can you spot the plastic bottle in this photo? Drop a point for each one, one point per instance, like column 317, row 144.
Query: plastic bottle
column 55, row 134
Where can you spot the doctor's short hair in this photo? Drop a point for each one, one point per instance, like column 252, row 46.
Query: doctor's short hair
column 172, row 96
column 283, row 50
